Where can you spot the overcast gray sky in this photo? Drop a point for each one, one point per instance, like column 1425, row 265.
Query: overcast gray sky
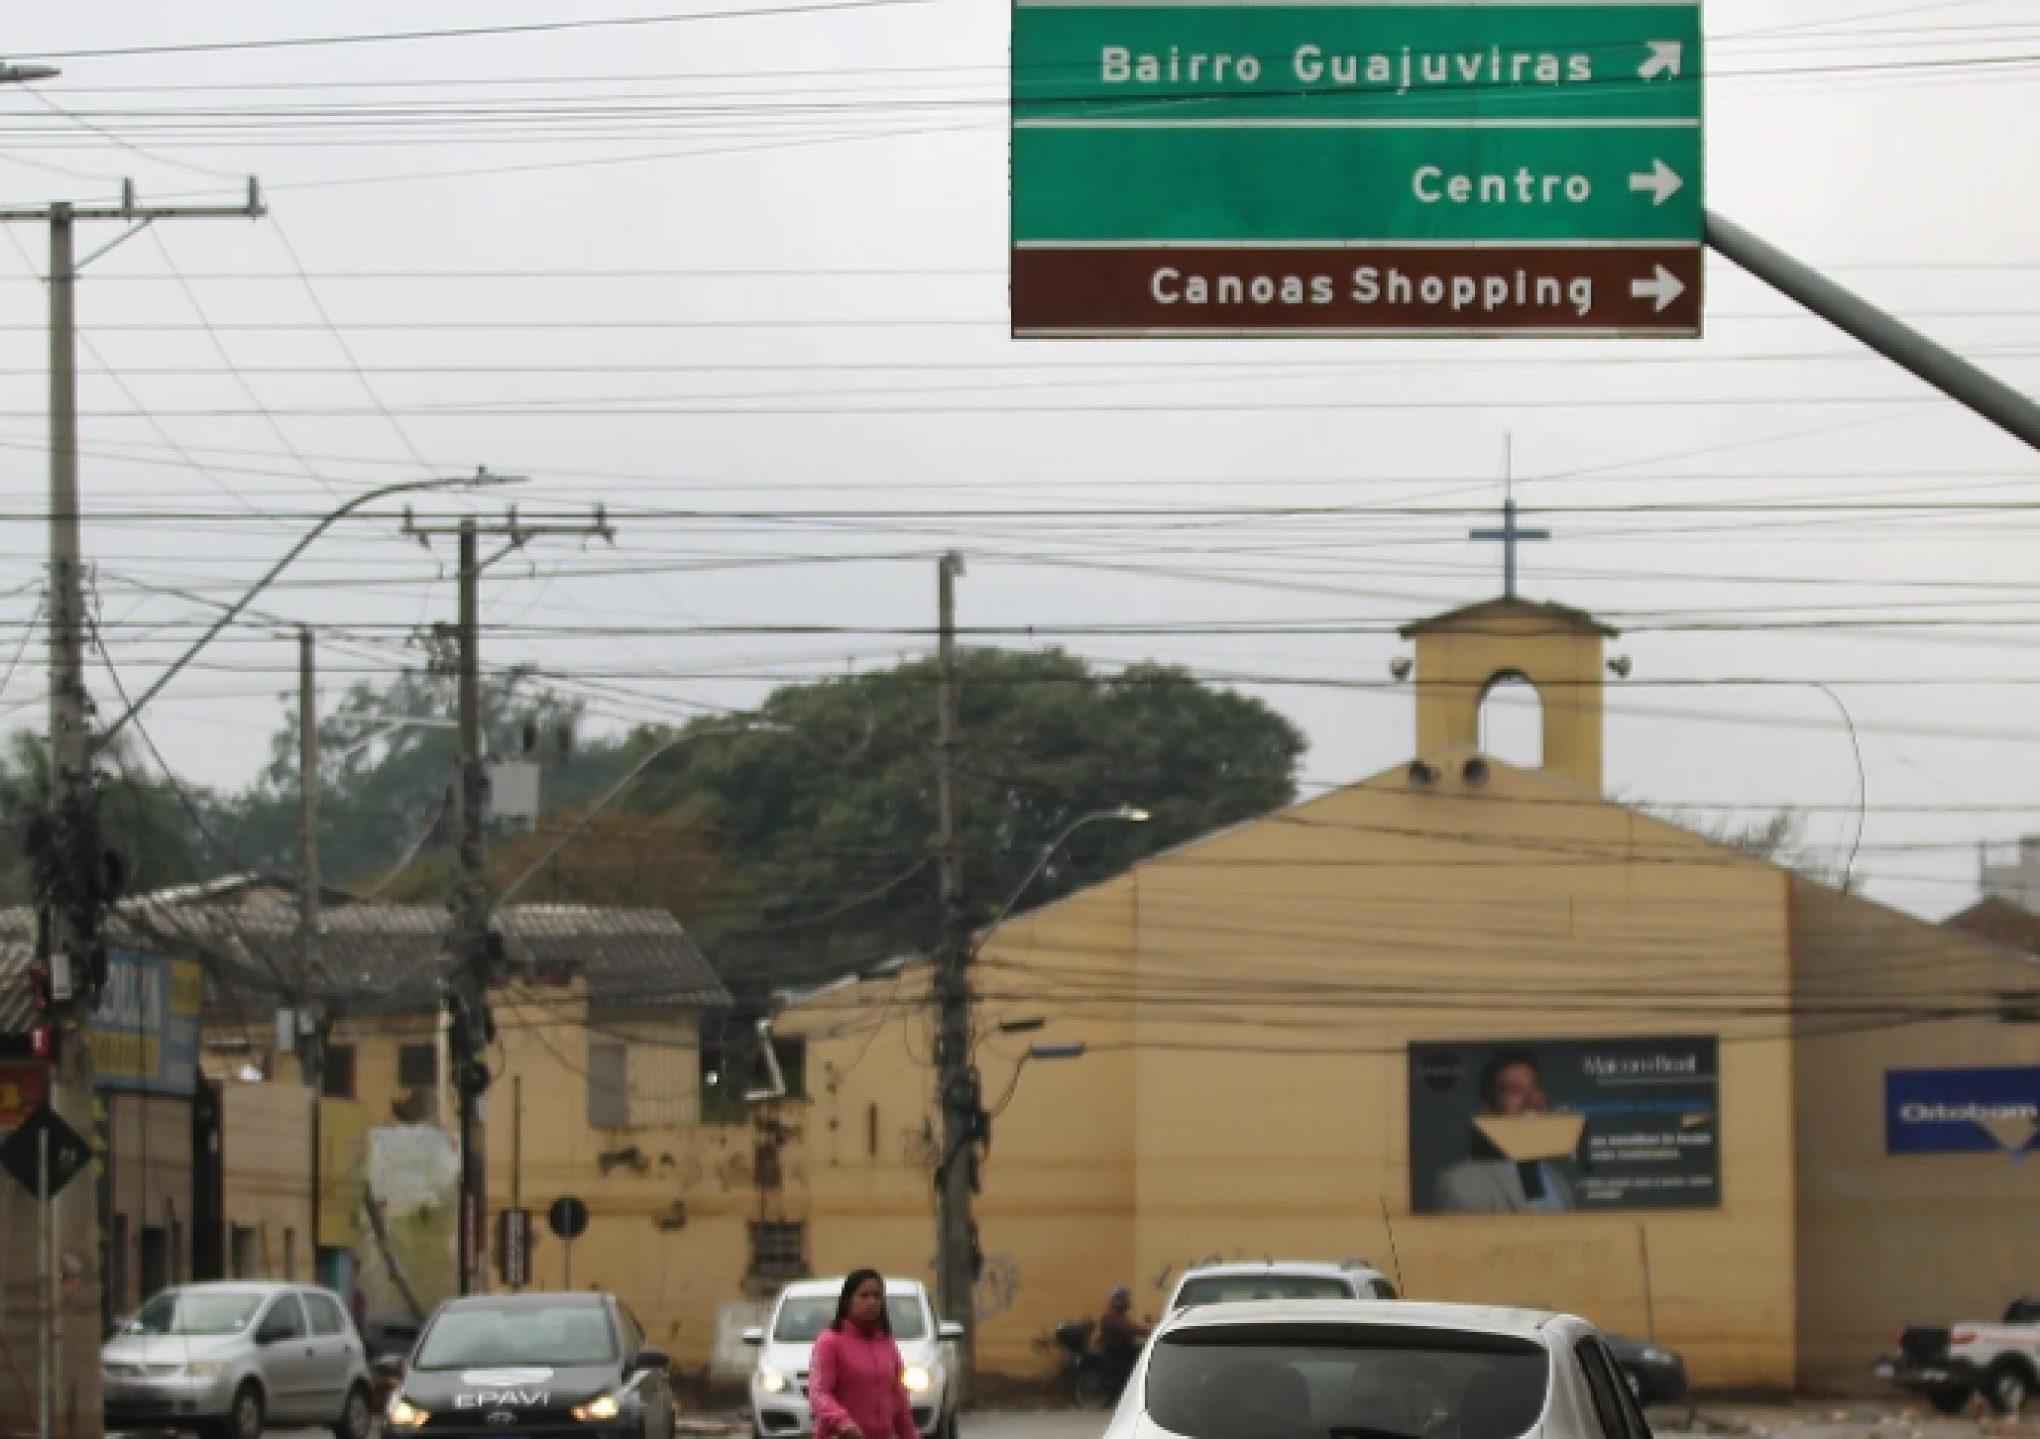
column 755, row 263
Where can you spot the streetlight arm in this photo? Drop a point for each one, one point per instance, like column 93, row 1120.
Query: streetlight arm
column 614, row 792
column 233, row 611
column 1125, row 812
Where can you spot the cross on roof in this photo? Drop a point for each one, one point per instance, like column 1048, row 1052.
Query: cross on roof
column 1510, row 534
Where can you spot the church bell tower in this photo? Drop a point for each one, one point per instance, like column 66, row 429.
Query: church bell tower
column 1557, row 651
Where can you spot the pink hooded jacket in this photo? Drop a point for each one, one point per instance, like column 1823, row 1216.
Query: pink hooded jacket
column 858, row 1378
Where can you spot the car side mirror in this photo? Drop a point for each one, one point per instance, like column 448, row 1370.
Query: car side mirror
column 390, row 1366
column 754, row 1337
column 949, row 1329
column 651, row 1359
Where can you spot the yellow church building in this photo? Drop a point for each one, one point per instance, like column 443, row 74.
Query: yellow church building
column 1509, row 1040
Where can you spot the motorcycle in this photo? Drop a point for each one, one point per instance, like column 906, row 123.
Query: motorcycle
column 1095, row 1378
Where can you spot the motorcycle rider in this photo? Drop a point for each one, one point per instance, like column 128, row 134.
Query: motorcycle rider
column 1119, row 1338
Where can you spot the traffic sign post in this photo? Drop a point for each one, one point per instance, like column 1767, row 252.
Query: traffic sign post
column 21, row 1153
column 1285, row 167
column 43, row 1155
column 568, row 1220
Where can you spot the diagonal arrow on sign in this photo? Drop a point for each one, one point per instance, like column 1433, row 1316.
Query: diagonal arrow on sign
column 1667, row 57
column 1663, row 287
column 1661, row 180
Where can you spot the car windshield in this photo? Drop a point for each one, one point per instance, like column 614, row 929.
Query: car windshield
column 558, row 1336
column 803, row 1317
column 1300, row 1381
column 1241, row 1288
column 196, row 1312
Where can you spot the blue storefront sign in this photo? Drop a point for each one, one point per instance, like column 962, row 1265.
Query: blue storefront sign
column 146, row 1024
column 1962, row 1111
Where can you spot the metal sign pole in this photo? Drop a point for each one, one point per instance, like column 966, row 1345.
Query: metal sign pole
column 43, row 1285
column 1892, row 338
column 570, row 1266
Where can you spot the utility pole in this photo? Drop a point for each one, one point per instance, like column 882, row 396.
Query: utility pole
column 957, row 1083
column 474, row 966
column 475, row 948
column 75, row 881
column 311, row 1037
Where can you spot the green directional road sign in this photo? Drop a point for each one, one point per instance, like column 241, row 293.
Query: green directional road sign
column 1357, row 166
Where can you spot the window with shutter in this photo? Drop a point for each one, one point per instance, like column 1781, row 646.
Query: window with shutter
column 608, row 1087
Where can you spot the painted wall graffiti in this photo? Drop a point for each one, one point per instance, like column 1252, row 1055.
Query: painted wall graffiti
column 998, row 1286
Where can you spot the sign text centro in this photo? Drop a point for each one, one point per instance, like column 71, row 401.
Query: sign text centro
column 1199, row 167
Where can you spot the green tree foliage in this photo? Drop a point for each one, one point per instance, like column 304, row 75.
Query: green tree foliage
column 795, row 844
column 384, row 785
column 160, row 835
column 827, row 813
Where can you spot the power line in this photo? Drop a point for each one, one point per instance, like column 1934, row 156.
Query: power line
column 387, row 37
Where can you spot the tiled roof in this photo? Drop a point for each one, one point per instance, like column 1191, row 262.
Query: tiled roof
column 391, row 956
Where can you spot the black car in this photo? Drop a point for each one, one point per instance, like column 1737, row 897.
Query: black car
column 521, row 1366
column 1656, row 1375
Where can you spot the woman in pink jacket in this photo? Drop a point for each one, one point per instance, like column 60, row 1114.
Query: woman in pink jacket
column 857, row 1380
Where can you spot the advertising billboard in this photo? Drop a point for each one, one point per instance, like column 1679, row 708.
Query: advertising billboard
column 1564, row 1126
column 1961, row 1111
column 146, row 1023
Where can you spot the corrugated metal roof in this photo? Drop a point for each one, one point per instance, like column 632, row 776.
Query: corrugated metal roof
column 378, row 956
column 17, row 952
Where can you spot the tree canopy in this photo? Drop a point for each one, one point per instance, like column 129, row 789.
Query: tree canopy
column 826, row 811
column 795, row 842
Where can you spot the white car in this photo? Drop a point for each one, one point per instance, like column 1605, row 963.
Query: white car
column 779, row 1385
column 1279, row 1279
column 1371, row 1370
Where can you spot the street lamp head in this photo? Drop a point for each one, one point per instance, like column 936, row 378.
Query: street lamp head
column 1132, row 815
column 22, row 74
column 1073, row 1050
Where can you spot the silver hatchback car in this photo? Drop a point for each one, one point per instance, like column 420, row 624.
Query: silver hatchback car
column 222, row 1360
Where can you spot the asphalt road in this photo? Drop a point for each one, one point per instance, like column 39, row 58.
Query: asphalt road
column 1801, row 1422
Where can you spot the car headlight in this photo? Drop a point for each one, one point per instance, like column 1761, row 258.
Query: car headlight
column 405, row 1415
column 596, row 1410
column 205, row 1369
column 771, row 1380
column 917, row 1379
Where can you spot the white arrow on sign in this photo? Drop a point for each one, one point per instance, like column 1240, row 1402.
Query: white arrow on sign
column 1667, row 57
column 1664, row 287
column 1663, row 181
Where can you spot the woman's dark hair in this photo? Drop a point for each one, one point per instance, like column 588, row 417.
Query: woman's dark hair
column 850, row 1287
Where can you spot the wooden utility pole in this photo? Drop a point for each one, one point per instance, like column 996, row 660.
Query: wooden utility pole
column 957, row 1083
column 311, row 1036
column 74, row 876
column 474, row 946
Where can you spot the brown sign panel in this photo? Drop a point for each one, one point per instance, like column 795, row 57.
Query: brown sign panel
column 1299, row 291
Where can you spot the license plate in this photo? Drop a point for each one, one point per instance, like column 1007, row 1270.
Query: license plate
column 1887, row 1371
